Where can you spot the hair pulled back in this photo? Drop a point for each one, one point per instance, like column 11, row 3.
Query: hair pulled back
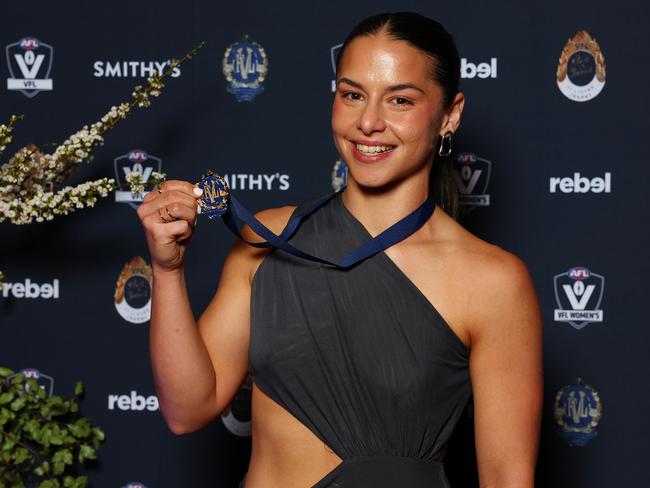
column 431, row 38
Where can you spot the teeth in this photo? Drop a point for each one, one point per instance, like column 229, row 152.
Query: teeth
column 373, row 149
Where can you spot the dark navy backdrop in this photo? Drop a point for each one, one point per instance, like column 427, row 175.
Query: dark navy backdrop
column 516, row 119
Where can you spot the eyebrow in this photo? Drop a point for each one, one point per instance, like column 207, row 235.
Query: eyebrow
column 400, row 86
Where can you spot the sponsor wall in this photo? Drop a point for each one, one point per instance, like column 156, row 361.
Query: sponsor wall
column 549, row 165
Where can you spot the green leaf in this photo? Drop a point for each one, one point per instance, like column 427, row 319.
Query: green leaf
column 4, row 372
column 86, row 452
column 7, row 397
column 53, row 483
column 78, row 388
column 18, row 404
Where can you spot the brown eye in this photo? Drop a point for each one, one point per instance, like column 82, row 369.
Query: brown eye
column 352, row 96
column 401, row 101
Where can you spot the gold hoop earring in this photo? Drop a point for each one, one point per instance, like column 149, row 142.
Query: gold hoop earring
column 445, row 145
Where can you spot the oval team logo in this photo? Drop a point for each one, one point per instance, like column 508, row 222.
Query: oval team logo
column 245, row 66
column 133, row 291
column 577, row 410
column 339, row 175
column 581, row 70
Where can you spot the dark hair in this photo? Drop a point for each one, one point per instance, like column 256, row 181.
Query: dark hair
column 434, row 41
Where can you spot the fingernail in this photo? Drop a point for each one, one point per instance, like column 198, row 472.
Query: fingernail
column 198, row 191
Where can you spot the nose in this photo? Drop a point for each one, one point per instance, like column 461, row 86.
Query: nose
column 371, row 119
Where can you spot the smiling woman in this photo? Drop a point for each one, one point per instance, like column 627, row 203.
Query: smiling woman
column 359, row 375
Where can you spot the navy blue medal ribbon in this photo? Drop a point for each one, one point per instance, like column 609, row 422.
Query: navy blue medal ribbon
column 217, row 201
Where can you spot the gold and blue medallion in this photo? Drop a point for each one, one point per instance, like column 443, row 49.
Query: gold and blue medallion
column 215, row 197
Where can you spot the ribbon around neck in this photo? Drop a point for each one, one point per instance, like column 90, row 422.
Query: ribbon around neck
column 218, row 201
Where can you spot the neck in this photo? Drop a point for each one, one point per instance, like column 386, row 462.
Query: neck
column 379, row 208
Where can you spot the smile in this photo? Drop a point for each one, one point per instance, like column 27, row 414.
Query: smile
column 372, row 149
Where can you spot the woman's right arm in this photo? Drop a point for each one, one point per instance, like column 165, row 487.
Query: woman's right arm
column 198, row 366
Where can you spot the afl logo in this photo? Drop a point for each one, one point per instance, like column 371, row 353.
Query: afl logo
column 581, row 70
column 135, row 161
column 133, row 291
column 578, row 293
column 30, row 64
column 339, row 175
column 237, row 417
column 472, row 175
column 577, row 412
column 245, row 66
column 44, row 381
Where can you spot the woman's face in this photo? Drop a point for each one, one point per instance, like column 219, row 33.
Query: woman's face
column 387, row 111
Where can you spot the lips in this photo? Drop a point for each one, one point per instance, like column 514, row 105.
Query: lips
column 371, row 151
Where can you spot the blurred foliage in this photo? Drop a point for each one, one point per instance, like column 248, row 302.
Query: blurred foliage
column 43, row 439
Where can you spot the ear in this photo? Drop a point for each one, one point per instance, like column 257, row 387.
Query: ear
column 451, row 120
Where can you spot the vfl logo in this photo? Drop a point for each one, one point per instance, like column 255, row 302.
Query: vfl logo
column 581, row 70
column 577, row 412
column 30, row 63
column 339, row 175
column 237, row 417
column 472, row 176
column 44, row 381
column 334, row 54
column 135, row 161
column 133, row 291
column 578, row 294
column 245, row 66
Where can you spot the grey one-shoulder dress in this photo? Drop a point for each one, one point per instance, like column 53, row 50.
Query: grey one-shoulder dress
column 359, row 356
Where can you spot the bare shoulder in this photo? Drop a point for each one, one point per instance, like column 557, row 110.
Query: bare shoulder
column 245, row 258
column 275, row 219
column 497, row 286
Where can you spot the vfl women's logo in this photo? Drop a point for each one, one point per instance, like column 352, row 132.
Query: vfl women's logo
column 245, row 66
column 578, row 293
column 577, row 412
column 237, row 417
column 44, row 381
column 30, row 64
column 135, row 161
column 581, row 70
column 339, row 175
column 133, row 291
column 472, row 176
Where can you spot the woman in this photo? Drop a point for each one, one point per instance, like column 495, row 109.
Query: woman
column 358, row 380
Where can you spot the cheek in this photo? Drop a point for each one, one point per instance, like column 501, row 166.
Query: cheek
column 415, row 127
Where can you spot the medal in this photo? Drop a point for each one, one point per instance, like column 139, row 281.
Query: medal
column 217, row 201
column 214, row 199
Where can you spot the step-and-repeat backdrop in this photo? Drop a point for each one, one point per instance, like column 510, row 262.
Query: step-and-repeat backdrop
column 551, row 165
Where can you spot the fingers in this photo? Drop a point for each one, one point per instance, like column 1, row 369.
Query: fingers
column 167, row 186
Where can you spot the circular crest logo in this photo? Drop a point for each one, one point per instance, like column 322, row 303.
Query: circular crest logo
column 245, row 66
column 339, row 175
column 133, row 291
column 237, row 417
column 577, row 412
column 581, row 70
